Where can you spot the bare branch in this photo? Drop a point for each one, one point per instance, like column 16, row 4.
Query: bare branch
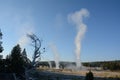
column 36, row 43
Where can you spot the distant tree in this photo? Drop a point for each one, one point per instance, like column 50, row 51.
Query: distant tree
column 8, row 63
column 25, row 59
column 89, row 76
column 24, row 53
column 2, row 67
column 1, row 48
column 111, row 65
column 86, row 64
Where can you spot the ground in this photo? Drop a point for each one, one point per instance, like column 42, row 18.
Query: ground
column 59, row 74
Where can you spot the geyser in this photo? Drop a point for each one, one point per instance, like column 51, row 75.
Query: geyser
column 56, row 55
column 77, row 19
column 50, row 65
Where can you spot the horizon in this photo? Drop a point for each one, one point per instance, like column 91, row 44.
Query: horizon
column 83, row 61
column 56, row 24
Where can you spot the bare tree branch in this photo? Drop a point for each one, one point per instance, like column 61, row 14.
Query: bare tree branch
column 36, row 43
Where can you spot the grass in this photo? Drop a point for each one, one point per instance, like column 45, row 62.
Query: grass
column 99, row 75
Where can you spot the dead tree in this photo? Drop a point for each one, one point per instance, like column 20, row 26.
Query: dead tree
column 36, row 43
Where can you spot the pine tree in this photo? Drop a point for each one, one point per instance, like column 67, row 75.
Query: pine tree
column 1, row 48
column 25, row 59
column 24, row 53
column 17, row 62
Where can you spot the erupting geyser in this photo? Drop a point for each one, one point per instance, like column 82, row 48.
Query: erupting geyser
column 77, row 19
column 56, row 55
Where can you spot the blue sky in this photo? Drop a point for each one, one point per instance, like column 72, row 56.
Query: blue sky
column 48, row 19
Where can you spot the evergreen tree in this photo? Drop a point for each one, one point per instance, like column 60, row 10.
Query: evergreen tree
column 16, row 59
column 25, row 59
column 89, row 76
column 24, row 53
column 1, row 48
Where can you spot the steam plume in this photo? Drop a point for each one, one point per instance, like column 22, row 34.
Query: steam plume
column 77, row 19
column 23, row 40
column 20, row 23
column 26, row 27
column 56, row 55
column 49, row 62
column 50, row 65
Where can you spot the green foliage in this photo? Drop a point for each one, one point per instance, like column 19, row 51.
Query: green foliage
column 27, row 62
column 106, row 65
column 86, row 64
column 89, row 76
column 1, row 48
column 16, row 60
column 2, row 69
column 112, row 65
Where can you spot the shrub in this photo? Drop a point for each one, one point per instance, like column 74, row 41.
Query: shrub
column 89, row 76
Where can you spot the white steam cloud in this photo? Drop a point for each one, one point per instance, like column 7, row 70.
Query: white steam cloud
column 56, row 54
column 18, row 23
column 77, row 19
column 24, row 27
column 23, row 40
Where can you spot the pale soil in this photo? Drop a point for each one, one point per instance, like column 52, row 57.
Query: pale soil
column 102, row 74
column 106, row 74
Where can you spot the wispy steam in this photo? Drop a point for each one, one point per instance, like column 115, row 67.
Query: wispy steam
column 56, row 54
column 19, row 23
column 24, row 27
column 23, row 40
column 77, row 19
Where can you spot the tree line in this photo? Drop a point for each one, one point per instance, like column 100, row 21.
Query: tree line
column 15, row 62
column 106, row 65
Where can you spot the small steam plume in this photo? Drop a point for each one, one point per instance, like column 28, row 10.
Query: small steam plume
column 49, row 62
column 56, row 55
column 23, row 40
column 50, row 65
column 21, row 24
column 26, row 27
column 77, row 19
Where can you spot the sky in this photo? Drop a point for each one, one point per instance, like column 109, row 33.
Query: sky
column 49, row 20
